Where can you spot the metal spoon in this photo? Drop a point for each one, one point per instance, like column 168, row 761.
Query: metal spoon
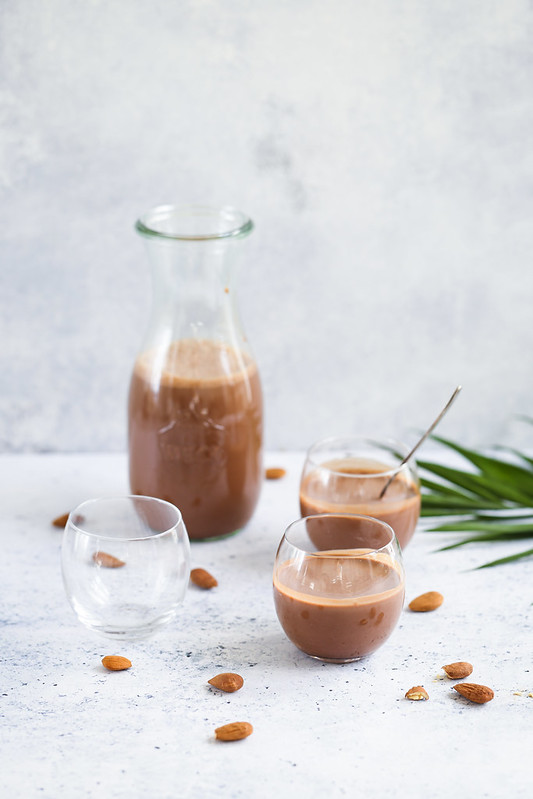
column 421, row 440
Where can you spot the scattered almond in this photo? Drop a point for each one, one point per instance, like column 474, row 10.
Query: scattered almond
column 107, row 561
column 228, row 682
column 459, row 670
column 61, row 521
column 474, row 692
column 234, row 731
column 203, row 579
column 116, row 663
column 431, row 600
column 275, row 473
column 416, row 693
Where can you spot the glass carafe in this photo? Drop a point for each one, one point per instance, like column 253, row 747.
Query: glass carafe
column 195, row 403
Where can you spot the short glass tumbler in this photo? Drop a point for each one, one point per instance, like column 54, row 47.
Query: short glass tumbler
column 338, row 585
column 125, row 564
column 361, row 476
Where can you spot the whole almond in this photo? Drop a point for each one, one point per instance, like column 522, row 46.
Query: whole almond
column 474, row 692
column 431, row 600
column 107, row 561
column 203, row 579
column 61, row 521
column 234, row 731
column 416, row 693
column 275, row 473
column 116, row 663
column 459, row 670
column 228, row 682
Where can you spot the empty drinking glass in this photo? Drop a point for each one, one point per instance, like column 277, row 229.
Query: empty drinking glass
column 125, row 564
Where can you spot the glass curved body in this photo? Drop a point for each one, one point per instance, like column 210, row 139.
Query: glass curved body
column 195, row 413
column 125, row 564
column 348, row 475
column 338, row 585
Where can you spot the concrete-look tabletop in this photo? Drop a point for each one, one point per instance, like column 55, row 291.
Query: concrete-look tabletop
column 72, row 729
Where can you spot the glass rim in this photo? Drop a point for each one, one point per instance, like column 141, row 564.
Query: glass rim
column 144, row 499
column 320, row 553
column 359, row 440
column 145, row 224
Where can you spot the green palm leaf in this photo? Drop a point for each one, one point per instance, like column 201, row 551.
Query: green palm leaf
column 518, row 476
column 478, row 538
column 481, row 525
column 491, row 496
column 509, row 559
column 482, row 484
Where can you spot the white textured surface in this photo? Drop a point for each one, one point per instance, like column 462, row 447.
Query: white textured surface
column 71, row 729
column 383, row 150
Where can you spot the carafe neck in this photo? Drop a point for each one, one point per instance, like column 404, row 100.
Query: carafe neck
column 194, row 253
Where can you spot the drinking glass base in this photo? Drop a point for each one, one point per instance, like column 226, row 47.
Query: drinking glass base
column 215, row 537
column 336, row 660
column 132, row 630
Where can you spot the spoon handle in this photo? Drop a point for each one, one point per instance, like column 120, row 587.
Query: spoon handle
column 421, row 440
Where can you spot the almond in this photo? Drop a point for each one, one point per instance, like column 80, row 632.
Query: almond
column 275, row 473
column 228, row 682
column 474, row 692
column 459, row 670
column 416, row 693
column 203, row 579
column 428, row 601
column 234, row 731
column 61, row 521
column 107, row 561
column 116, row 663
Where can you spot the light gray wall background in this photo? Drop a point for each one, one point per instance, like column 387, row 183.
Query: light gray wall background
column 383, row 149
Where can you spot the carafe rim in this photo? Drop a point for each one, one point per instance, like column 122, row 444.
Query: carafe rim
column 170, row 222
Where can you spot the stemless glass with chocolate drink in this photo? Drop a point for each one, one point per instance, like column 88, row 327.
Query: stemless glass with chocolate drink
column 338, row 585
column 195, row 402
column 357, row 475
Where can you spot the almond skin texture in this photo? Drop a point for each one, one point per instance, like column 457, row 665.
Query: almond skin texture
column 274, row 473
column 116, row 663
column 107, row 561
column 228, row 682
column 459, row 670
column 416, row 693
column 203, row 579
column 474, row 692
column 425, row 602
column 234, row 731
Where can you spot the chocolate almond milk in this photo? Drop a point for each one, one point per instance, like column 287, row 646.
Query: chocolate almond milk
column 333, row 487
column 195, row 434
column 338, row 607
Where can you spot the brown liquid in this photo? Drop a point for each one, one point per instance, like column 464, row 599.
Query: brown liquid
column 333, row 488
column 195, row 434
column 333, row 618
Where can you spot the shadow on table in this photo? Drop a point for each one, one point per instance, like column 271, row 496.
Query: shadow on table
column 242, row 646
